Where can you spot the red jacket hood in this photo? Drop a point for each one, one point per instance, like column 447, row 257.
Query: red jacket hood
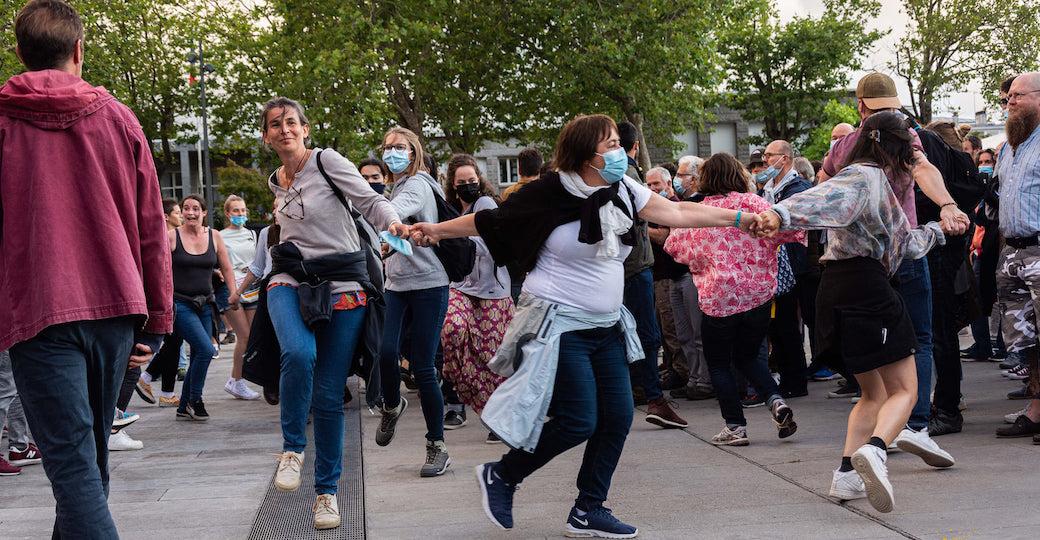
column 50, row 99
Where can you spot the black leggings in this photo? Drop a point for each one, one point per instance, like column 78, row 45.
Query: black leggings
column 165, row 363
column 126, row 391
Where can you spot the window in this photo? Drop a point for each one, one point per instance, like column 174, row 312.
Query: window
column 170, row 185
column 508, row 170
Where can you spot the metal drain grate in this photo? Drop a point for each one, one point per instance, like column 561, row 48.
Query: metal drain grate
column 288, row 516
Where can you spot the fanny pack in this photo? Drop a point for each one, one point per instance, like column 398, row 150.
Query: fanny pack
column 198, row 302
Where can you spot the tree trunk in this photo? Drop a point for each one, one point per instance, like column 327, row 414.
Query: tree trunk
column 408, row 111
column 925, row 113
column 629, row 109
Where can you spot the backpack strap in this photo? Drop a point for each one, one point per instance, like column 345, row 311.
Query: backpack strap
column 354, row 214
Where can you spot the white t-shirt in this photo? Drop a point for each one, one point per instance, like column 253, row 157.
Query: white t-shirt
column 241, row 248
column 569, row 272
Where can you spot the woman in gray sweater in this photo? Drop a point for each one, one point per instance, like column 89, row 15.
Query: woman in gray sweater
column 315, row 361
column 416, row 294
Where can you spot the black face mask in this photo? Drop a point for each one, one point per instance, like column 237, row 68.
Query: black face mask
column 469, row 193
column 379, row 188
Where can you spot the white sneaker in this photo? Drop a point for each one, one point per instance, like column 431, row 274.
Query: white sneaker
column 847, row 486
column 731, row 437
column 239, row 389
column 122, row 441
column 921, row 445
column 123, row 418
column 287, row 477
column 869, row 462
column 248, row 393
column 1010, row 418
column 326, row 512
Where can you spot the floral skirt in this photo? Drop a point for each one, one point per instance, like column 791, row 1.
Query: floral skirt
column 473, row 330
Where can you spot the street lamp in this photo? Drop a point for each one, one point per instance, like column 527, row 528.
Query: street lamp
column 204, row 68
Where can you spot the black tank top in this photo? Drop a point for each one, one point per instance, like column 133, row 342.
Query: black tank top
column 192, row 274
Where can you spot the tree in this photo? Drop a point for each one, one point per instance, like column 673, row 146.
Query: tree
column 950, row 43
column 9, row 64
column 246, row 183
column 651, row 62
column 819, row 140
column 785, row 73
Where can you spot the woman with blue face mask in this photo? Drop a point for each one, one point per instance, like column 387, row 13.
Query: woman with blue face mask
column 241, row 246
column 571, row 231
column 416, row 302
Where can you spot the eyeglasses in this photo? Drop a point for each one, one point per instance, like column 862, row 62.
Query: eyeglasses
column 1019, row 95
column 292, row 208
column 398, row 147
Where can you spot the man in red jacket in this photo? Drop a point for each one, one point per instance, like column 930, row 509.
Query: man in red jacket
column 84, row 260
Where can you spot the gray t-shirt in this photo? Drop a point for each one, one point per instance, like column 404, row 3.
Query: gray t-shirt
column 313, row 218
column 414, row 201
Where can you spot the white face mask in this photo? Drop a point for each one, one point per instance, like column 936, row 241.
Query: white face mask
column 834, row 142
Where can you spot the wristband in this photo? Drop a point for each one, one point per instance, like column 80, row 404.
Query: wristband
column 737, row 224
column 947, row 204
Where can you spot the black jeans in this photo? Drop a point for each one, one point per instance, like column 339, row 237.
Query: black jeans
column 592, row 402
column 68, row 378
column 734, row 342
column 126, row 390
column 943, row 264
column 785, row 333
column 164, row 364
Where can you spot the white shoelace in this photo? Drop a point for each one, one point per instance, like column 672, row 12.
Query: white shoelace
column 289, row 461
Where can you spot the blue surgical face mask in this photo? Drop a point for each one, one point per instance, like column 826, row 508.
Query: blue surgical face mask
column 615, row 163
column 677, row 186
column 663, row 193
column 986, row 169
column 764, row 176
column 238, row 221
column 396, row 160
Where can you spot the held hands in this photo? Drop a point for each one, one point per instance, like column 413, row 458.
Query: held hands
column 233, row 301
column 140, row 355
column 400, row 230
column 765, row 224
column 426, row 234
column 953, row 221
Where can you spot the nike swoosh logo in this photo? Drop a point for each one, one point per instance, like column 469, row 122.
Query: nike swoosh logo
column 490, row 480
column 584, row 522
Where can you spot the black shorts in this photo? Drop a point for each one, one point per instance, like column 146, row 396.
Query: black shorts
column 861, row 322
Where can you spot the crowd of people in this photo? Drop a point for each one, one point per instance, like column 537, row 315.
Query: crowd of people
column 551, row 309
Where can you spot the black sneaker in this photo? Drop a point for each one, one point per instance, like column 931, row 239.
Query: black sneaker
column 699, row 393
column 1023, row 427
column 598, row 522
column 942, row 423
column 409, row 381
column 492, row 438
column 845, row 391
column 788, row 394
column 199, row 411
column 1021, row 393
column 454, row 419
column 752, row 401
column 185, row 413
column 783, row 417
column 496, row 495
column 271, row 396
column 388, row 424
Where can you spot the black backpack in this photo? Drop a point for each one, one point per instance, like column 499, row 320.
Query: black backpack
column 457, row 255
column 959, row 173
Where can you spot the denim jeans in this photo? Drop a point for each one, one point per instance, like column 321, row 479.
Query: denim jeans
column 914, row 285
column 195, row 326
column 12, row 414
column 68, row 377
column 427, row 308
column 639, row 299
column 592, row 402
column 315, row 365
column 734, row 342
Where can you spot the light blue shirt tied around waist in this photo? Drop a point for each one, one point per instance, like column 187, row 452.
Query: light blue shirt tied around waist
column 1019, row 174
column 529, row 356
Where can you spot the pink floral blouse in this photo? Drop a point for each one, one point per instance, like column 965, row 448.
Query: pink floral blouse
column 734, row 271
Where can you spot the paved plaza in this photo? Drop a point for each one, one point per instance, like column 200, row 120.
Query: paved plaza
column 209, row 480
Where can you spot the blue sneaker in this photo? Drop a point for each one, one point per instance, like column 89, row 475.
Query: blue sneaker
column 497, row 495
column 825, row 375
column 597, row 523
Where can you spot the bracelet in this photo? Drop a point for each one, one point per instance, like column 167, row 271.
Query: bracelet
column 947, row 204
column 737, row 224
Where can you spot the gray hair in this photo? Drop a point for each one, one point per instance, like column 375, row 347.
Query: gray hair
column 282, row 103
column 804, row 168
column 665, row 175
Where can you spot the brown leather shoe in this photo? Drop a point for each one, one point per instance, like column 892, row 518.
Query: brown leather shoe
column 660, row 413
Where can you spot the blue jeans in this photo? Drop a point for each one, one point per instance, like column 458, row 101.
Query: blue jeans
column 68, row 378
column 914, row 285
column 735, row 342
column 194, row 326
column 315, row 365
column 592, row 402
column 639, row 299
column 427, row 308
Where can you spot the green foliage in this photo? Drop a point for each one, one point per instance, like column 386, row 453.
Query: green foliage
column 953, row 42
column 785, row 73
column 247, row 183
column 819, row 140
